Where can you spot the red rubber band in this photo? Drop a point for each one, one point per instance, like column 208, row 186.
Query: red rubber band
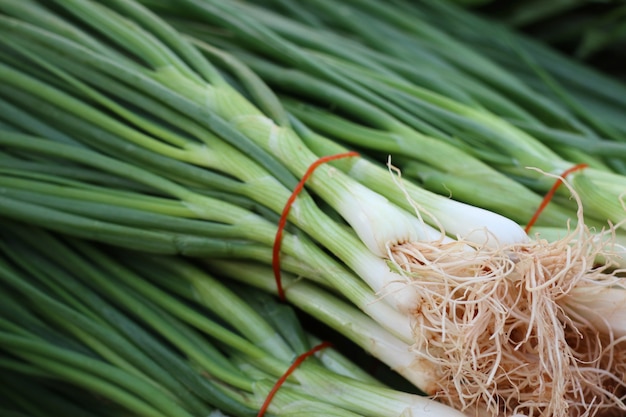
column 550, row 194
column 288, row 372
column 283, row 217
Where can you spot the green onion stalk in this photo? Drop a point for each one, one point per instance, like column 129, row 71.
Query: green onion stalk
column 481, row 131
column 161, row 337
column 178, row 159
column 382, row 125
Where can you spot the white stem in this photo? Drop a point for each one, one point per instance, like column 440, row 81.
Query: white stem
column 478, row 225
column 390, row 286
column 379, row 223
column 602, row 307
column 364, row 331
column 458, row 219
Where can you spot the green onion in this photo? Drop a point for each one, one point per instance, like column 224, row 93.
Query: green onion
column 484, row 130
column 122, row 300
column 182, row 128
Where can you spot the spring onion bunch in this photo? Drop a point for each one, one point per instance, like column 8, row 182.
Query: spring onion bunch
column 495, row 124
column 350, row 198
column 116, row 127
column 160, row 337
column 42, row 187
column 296, row 72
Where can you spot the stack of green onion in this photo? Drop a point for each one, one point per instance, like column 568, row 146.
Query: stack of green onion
column 181, row 128
column 90, row 331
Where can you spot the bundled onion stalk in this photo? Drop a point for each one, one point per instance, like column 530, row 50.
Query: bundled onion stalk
column 490, row 112
column 159, row 337
column 118, row 128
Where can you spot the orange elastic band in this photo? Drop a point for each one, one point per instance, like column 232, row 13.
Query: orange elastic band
column 283, row 217
column 288, row 372
column 550, row 194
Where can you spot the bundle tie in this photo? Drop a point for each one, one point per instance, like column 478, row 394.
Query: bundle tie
column 288, row 372
column 283, row 217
